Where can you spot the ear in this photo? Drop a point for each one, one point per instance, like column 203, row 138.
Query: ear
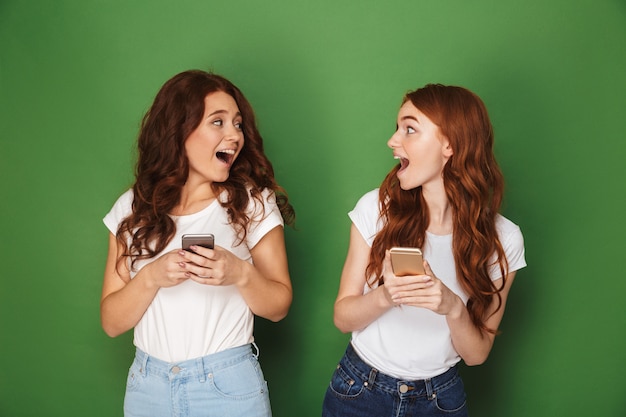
column 446, row 148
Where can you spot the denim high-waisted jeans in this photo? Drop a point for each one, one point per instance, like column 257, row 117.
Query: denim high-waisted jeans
column 227, row 383
column 356, row 389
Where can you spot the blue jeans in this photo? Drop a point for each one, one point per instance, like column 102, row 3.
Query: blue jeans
column 227, row 383
column 356, row 389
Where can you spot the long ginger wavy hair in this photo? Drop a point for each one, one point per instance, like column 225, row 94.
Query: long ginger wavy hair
column 162, row 166
column 474, row 187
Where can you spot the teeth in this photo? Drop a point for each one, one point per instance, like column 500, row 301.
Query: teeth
column 228, row 151
column 396, row 157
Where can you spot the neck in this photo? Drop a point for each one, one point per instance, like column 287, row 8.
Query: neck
column 439, row 211
column 193, row 198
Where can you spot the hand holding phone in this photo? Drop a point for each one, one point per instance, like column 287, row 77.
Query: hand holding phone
column 407, row 261
column 205, row 240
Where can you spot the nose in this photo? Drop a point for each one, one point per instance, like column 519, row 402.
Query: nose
column 233, row 133
column 394, row 141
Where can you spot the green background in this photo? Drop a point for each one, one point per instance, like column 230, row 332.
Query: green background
column 326, row 78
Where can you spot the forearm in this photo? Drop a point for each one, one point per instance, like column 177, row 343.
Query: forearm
column 120, row 311
column 472, row 343
column 355, row 312
column 266, row 298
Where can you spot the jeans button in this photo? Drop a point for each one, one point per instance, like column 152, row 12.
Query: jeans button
column 175, row 370
column 404, row 389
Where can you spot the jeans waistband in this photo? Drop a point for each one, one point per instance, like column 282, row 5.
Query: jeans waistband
column 198, row 367
column 391, row 384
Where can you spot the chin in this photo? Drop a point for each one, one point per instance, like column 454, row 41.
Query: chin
column 406, row 186
column 222, row 178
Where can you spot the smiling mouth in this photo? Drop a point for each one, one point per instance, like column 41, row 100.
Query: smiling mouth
column 227, row 155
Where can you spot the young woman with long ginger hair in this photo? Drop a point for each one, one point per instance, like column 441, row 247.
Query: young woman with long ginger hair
column 409, row 332
column 201, row 170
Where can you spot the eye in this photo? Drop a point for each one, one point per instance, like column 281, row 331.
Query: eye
column 239, row 125
column 218, row 122
column 410, row 130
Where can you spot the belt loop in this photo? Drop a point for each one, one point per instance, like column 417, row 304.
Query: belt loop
column 429, row 389
column 144, row 364
column 371, row 379
column 258, row 352
column 201, row 369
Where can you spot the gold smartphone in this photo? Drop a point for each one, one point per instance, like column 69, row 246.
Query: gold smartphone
column 205, row 240
column 407, row 261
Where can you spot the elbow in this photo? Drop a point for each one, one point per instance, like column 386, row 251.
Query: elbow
column 112, row 334
column 476, row 353
column 343, row 328
column 111, row 328
column 280, row 312
column 278, row 316
column 475, row 358
column 276, row 319
column 340, row 323
column 475, row 361
column 273, row 313
column 111, row 331
column 342, row 320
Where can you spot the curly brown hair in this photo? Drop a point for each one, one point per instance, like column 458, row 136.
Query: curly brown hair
column 474, row 187
column 162, row 165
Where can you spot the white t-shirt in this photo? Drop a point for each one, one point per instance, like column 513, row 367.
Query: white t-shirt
column 192, row 320
column 415, row 343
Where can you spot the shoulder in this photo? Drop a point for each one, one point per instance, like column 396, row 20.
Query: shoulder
column 124, row 202
column 262, row 205
column 366, row 216
column 268, row 195
column 506, row 227
column 126, row 199
column 369, row 201
column 259, row 200
column 264, row 215
column 120, row 210
column 512, row 241
column 256, row 198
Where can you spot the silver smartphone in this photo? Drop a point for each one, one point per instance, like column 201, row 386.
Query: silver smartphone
column 205, row 240
column 407, row 261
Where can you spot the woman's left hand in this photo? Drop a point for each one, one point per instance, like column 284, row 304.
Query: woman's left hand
column 265, row 285
column 434, row 296
column 216, row 266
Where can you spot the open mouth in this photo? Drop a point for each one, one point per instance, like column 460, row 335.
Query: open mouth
column 227, row 156
column 403, row 162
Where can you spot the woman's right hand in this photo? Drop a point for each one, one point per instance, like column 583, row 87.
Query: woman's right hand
column 355, row 308
column 395, row 287
column 124, row 300
column 168, row 270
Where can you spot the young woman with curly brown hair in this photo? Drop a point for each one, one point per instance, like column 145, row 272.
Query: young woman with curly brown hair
column 201, row 169
column 409, row 332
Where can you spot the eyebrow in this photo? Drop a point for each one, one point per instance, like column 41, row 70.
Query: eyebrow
column 221, row 111
column 410, row 117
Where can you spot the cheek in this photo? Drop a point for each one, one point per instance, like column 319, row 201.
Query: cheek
column 426, row 162
column 418, row 154
column 202, row 144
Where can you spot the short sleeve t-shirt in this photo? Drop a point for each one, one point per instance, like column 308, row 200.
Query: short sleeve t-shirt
column 415, row 343
column 192, row 320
